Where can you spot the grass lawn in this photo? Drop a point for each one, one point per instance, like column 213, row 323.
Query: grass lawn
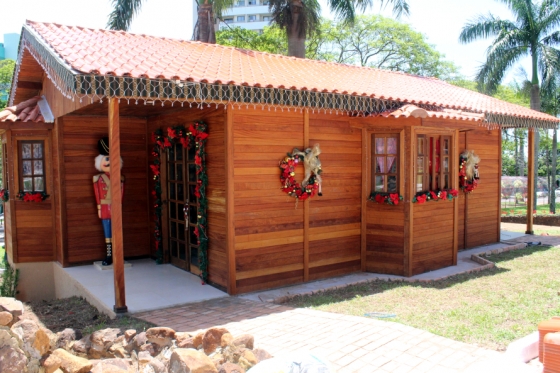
column 2, row 251
column 489, row 308
column 522, row 210
column 539, row 229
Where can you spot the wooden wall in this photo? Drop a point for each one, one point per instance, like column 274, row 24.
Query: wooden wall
column 78, row 149
column 216, row 192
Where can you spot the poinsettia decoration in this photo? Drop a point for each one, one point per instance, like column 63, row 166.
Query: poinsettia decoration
column 195, row 136
column 438, row 195
column 4, row 195
column 32, row 196
column 385, row 198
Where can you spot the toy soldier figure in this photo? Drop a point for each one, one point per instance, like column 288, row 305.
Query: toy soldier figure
column 102, row 188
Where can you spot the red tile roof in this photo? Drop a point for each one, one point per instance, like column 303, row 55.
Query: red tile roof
column 106, row 52
column 26, row 111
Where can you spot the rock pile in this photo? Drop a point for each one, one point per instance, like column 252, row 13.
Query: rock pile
column 25, row 346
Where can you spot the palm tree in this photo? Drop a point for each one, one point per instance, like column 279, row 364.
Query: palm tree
column 300, row 18
column 125, row 10
column 533, row 32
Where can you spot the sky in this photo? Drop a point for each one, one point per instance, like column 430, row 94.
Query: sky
column 440, row 21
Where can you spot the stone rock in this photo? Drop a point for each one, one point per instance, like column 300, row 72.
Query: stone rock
column 12, row 360
column 72, row 364
column 149, row 348
column 227, row 338
column 212, row 339
column 198, row 339
column 186, row 343
column 101, row 341
column 232, row 353
column 231, row 368
column 33, row 365
column 137, row 341
column 5, row 318
column 129, row 334
column 217, row 358
column 111, row 366
column 190, row 361
column 157, row 366
column 10, row 339
column 244, row 363
column 52, row 363
column 249, row 356
column 36, row 341
column 261, row 354
column 81, row 347
column 65, row 337
column 117, row 350
column 144, row 357
column 11, row 305
column 161, row 336
column 246, row 340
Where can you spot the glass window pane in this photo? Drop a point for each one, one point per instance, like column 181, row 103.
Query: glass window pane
column 419, row 183
column 392, row 165
column 39, row 184
column 37, row 167
column 445, row 164
column 380, row 165
column 420, row 165
column 379, row 146
column 171, row 154
column 192, row 172
column 27, row 168
column 173, row 210
column 179, row 171
column 172, row 193
column 193, row 217
column 180, row 193
column 174, row 252
column 171, row 171
column 192, row 195
column 194, row 256
column 182, row 251
column 27, row 184
column 26, row 151
column 179, row 152
column 446, row 184
column 37, row 150
column 420, row 146
column 191, row 152
column 391, row 145
column 192, row 237
column 173, row 231
column 181, row 231
column 391, row 184
column 380, row 183
column 446, row 146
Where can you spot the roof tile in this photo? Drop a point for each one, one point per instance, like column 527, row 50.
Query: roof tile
column 26, row 111
column 125, row 54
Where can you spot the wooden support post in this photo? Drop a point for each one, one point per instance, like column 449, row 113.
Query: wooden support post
column 116, row 206
column 363, row 238
column 306, row 204
column 530, row 182
column 454, row 156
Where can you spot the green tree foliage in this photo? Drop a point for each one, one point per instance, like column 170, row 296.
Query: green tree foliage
column 372, row 41
column 8, row 280
column 6, row 73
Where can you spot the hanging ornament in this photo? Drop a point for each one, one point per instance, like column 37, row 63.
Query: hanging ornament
column 312, row 182
column 468, row 171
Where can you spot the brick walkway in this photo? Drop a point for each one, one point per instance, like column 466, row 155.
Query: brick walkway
column 351, row 343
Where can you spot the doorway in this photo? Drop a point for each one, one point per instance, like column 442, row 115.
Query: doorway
column 182, row 242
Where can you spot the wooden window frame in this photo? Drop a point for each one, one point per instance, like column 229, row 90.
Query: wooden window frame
column 20, row 143
column 429, row 153
column 398, row 160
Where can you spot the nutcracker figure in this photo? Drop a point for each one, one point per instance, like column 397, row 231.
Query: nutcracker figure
column 102, row 188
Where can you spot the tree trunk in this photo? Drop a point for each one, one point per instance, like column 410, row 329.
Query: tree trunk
column 553, row 166
column 296, row 38
column 536, row 105
column 205, row 29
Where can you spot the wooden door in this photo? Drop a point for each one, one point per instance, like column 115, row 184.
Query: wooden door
column 182, row 208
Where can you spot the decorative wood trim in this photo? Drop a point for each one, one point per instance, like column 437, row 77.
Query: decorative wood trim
column 365, row 195
column 13, row 177
column 26, row 126
column 116, row 206
column 499, row 175
column 306, row 204
column 29, row 85
column 407, row 265
column 49, row 180
column 466, row 212
column 454, row 160
column 164, row 207
column 530, row 182
column 230, row 217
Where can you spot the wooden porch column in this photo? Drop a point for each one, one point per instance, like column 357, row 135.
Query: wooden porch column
column 116, row 206
column 530, row 182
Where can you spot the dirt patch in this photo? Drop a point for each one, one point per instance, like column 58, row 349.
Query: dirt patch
column 79, row 315
column 552, row 220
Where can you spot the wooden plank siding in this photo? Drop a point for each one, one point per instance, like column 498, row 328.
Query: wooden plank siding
column 335, row 218
column 216, row 191
column 85, row 240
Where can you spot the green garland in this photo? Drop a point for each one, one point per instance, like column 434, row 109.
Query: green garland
column 385, row 198
column 195, row 135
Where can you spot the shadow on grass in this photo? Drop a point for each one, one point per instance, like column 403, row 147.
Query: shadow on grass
column 380, row 286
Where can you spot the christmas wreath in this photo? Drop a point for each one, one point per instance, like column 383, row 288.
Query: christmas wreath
column 193, row 136
column 468, row 171
column 311, row 184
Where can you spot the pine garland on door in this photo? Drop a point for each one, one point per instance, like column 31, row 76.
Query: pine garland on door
column 195, row 135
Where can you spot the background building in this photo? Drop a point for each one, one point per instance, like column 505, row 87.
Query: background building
column 248, row 14
column 9, row 49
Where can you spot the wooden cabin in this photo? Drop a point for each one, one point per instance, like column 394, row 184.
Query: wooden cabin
column 379, row 131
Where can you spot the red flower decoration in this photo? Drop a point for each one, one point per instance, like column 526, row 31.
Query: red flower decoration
column 421, row 199
column 155, row 169
column 171, row 133
column 197, row 160
column 433, row 195
column 443, row 194
column 454, row 192
column 394, row 198
column 379, row 198
column 166, row 143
